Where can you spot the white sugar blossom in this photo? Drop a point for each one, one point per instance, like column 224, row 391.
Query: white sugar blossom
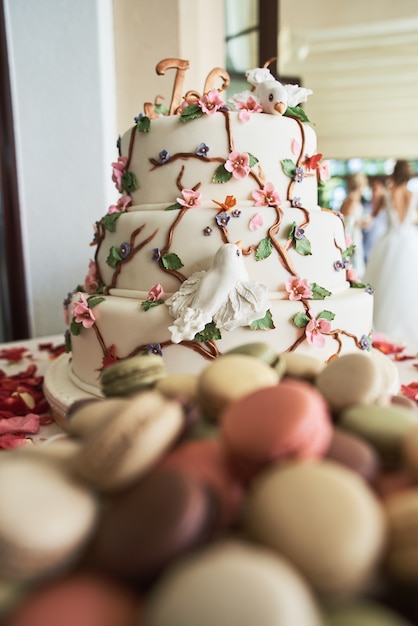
column 243, row 96
column 297, row 94
column 258, row 75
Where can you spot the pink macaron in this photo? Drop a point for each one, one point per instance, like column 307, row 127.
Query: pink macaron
column 290, row 420
column 82, row 598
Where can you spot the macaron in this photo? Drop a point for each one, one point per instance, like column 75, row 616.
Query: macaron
column 80, row 598
column 259, row 350
column 230, row 377
column 288, row 421
column 348, row 380
column 302, row 366
column 384, row 427
column 144, row 528
column 322, row 517
column 130, row 442
column 182, row 385
column 84, row 416
column 132, row 374
column 232, row 582
column 354, row 453
column 207, row 461
column 389, row 374
column 362, row 613
column 409, row 445
column 46, row 518
column 401, row 558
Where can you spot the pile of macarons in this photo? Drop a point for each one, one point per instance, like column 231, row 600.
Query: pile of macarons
column 269, row 490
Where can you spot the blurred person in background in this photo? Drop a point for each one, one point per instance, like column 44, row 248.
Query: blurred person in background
column 352, row 210
column 392, row 268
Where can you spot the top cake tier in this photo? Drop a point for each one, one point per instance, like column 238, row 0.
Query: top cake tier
column 215, row 156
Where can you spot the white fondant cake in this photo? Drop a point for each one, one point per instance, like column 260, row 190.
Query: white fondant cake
column 217, row 240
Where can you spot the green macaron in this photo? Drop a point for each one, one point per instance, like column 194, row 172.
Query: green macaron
column 132, row 375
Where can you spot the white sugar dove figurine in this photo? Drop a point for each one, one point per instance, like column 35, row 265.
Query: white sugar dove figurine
column 222, row 294
column 273, row 97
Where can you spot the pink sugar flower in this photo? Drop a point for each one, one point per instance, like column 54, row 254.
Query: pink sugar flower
column 247, row 107
column 238, row 164
column 256, row 222
column 82, row 313
column 190, row 199
column 121, row 205
column 266, row 196
column 298, row 288
column 352, row 274
column 118, row 169
column 315, row 328
column 211, row 102
column 155, row 293
column 323, row 170
column 91, row 284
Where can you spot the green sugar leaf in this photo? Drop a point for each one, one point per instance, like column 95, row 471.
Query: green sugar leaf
column 68, row 346
column 348, row 252
column 75, row 327
column 209, row 333
column 147, row 305
column 114, row 257
column 161, row 109
column 173, row 207
column 109, row 221
column 265, row 323
column 129, row 182
column 253, row 159
column 301, row 319
column 143, row 124
column 221, row 175
column 303, row 246
column 191, row 112
column 288, row 167
column 319, row 293
column 171, row 261
column 92, row 302
column 326, row 315
column 297, row 112
column 264, row 249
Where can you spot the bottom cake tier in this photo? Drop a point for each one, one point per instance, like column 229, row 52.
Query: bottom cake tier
column 123, row 327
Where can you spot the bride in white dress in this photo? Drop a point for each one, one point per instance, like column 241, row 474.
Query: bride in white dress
column 392, row 268
column 352, row 212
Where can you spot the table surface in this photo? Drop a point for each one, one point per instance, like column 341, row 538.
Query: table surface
column 17, row 356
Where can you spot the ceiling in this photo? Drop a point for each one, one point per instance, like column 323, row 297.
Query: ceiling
column 361, row 61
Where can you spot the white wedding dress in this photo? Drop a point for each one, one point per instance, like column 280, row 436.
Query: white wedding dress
column 392, row 270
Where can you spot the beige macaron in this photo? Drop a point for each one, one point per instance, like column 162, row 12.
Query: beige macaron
column 230, row 377
column 46, row 518
column 323, row 518
column 232, row 582
column 301, row 366
column 86, row 416
column 130, row 442
column 348, row 380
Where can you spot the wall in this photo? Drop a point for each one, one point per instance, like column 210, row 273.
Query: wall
column 62, row 75
column 69, row 106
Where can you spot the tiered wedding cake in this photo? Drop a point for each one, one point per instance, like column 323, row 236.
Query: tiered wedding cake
column 217, row 238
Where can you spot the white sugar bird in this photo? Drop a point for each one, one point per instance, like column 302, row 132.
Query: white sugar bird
column 222, row 294
column 271, row 94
